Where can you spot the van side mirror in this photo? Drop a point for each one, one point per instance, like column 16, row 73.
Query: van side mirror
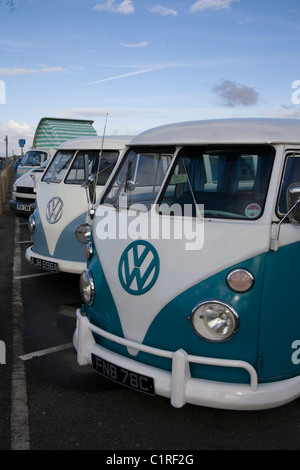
column 293, row 200
column 91, row 187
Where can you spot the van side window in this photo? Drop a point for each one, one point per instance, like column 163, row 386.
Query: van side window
column 291, row 175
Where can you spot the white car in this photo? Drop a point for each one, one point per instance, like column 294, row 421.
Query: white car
column 24, row 191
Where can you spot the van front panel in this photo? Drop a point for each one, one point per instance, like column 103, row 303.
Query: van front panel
column 191, row 277
column 64, row 198
column 228, row 185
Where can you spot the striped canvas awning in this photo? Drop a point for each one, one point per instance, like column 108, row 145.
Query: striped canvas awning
column 51, row 132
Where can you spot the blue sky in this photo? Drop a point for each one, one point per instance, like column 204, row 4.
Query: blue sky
column 145, row 62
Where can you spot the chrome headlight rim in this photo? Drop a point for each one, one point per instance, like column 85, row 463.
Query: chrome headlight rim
column 89, row 250
column 200, row 325
column 87, row 286
column 83, row 233
column 31, row 224
column 233, row 285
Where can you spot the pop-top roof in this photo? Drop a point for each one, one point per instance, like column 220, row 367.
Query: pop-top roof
column 51, row 132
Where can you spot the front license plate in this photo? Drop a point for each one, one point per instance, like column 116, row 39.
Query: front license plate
column 125, row 377
column 44, row 264
column 22, row 207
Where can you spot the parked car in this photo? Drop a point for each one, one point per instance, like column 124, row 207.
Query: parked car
column 24, row 191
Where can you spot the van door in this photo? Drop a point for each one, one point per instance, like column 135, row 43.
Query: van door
column 280, row 307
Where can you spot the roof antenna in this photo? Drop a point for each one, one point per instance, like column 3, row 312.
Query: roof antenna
column 92, row 211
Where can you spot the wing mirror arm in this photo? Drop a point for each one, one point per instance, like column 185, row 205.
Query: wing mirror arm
column 293, row 200
column 90, row 187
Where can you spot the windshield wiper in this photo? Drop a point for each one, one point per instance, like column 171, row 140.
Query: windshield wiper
column 198, row 212
column 125, row 178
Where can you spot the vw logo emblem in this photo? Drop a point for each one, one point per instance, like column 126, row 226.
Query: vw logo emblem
column 54, row 210
column 138, row 267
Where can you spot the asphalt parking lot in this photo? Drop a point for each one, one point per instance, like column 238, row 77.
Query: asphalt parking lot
column 48, row 402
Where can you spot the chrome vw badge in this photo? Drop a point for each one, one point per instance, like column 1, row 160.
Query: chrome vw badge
column 54, row 210
column 138, row 267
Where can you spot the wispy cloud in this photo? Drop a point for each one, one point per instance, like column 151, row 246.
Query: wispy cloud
column 9, row 72
column 126, row 7
column 164, row 11
column 131, row 74
column 234, row 94
column 85, row 112
column 202, row 5
column 139, row 44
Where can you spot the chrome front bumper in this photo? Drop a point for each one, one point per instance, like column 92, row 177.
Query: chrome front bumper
column 178, row 385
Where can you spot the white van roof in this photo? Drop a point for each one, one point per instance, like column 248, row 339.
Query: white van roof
column 223, row 131
column 111, row 142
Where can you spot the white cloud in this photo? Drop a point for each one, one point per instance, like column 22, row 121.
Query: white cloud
column 83, row 112
column 139, row 44
column 164, row 11
column 7, row 72
column 15, row 131
column 211, row 5
column 126, row 7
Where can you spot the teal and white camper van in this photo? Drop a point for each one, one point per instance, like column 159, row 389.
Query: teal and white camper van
column 193, row 266
column 60, row 225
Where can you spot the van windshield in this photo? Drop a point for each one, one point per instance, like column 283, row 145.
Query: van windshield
column 87, row 162
column 33, row 158
column 229, row 181
column 58, row 167
column 77, row 170
column 139, row 177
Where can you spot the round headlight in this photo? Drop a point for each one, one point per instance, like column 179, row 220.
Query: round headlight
column 240, row 280
column 214, row 320
column 83, row 232
column 87, row 287
column 31, row 224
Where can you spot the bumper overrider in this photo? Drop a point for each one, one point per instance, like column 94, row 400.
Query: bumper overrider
column 178, row 385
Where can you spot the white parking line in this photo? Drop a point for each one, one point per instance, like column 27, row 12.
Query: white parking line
column 44, row 352
column 20, row 439
column 28, row 276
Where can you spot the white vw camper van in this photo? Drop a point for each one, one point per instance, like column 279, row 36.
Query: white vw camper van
column 60, row 226
column 193, row 266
